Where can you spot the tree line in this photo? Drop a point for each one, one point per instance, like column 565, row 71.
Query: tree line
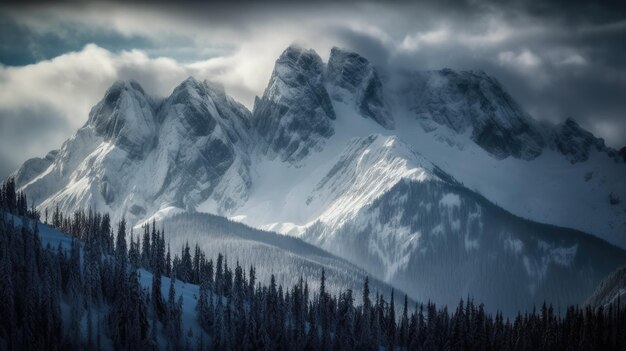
column 89, row 296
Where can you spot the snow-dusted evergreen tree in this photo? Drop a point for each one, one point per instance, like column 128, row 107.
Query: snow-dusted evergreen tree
column 174, row 317
column 157, row 264
column 75, row 292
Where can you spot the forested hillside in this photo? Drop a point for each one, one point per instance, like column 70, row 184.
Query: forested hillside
column 90, row 290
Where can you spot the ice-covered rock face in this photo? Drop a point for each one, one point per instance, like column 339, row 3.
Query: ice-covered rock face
column 294, row 115
column 576, row 143
column 473, row 101
column 125, row 117
column 352, row 78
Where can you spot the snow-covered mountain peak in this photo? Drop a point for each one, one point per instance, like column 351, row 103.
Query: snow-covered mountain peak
column 125, row 117
column 201, row 106
column 200, row 87
column 299, row 59
column 138, row 159
column 352, row 78
column 294, row 115
column 203, row 151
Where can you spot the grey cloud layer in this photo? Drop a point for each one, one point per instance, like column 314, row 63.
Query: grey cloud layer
column 558, row 58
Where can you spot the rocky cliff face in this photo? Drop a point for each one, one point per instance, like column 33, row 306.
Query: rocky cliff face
column 576, row 143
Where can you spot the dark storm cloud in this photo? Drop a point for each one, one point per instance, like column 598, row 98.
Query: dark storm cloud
column 558, row 58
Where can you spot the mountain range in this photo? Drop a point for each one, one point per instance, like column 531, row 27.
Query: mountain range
column 436, row 182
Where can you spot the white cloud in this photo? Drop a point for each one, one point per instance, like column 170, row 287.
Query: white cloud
column 574, row 59
column 72, row 83
column 68, row 83
column 420, row 39
column 524, row 60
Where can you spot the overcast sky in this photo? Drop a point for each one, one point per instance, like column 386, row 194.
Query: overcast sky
column 558, row 58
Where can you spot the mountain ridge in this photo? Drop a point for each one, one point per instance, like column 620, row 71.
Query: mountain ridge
column 132, row 123
column 327, row 144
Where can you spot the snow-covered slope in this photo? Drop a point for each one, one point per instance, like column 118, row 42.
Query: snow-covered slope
column 611, row 290
column 328, row 144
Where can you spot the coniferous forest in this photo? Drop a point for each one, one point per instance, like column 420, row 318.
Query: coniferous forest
column 92, row 294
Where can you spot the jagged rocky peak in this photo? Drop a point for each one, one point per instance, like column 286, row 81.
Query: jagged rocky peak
column 125, row 116
column 576, row 143
column 194, row 89
column 201, row 106
column 353, row 79
column 474, row 101
column 294, row 115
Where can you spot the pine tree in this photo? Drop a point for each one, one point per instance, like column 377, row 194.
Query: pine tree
column 157, row 268
column 186, row 265
column 404, row 324
column 168, row 263
column 8, row 325
column 75, row 292
column 174, row 319
column 390, row 322
column 121, row 253
column 145, row 247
